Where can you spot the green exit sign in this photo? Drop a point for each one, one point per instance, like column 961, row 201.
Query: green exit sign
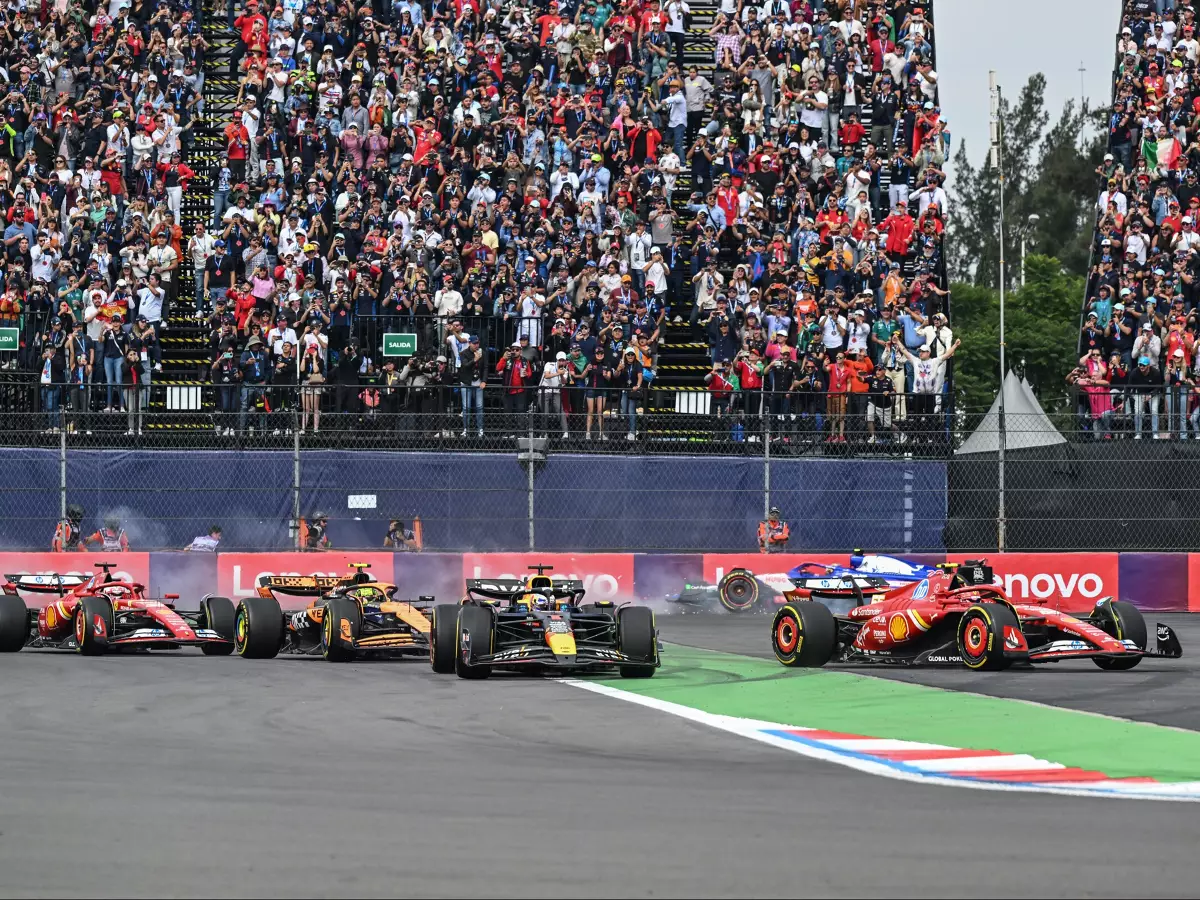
column 393, row 344
column 9, row 339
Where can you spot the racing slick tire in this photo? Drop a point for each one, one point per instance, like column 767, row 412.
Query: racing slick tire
column 1123, row 621
column 804, row 635
column 443, row 632
column 93, row 625
column 480, row 627
column 14, row 623
column 738, row 590
column 258, row 628
column 981, row 636
column 340, row 625
column 637, row 636
column 218, row 614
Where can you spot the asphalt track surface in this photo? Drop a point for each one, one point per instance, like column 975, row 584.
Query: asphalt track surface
column 178, row 774
column 1166, row 692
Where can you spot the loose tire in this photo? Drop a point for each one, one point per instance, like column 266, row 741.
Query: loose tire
column 981, row 636
column 637, row 637
column 804, row 635
column 258, row 628
column 218, row 614
column 480, row 627
column 738, row 591
column 340, row 625
column 1123, row 621
column 443, row 633
column 14, row 623
column 93, row 625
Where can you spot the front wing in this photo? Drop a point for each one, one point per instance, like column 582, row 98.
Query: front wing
column 585, row 656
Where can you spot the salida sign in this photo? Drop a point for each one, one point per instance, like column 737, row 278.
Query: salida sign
column 1078, row 578
column 605, row 576
column 238, row 573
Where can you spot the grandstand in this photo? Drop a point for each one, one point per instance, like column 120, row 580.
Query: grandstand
column 796, row 153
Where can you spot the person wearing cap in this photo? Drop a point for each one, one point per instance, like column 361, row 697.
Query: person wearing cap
column 471, row 374
column 254, row 368
column 1144, row 385
column 557, row 376
column 516, row 375
column 927, row 376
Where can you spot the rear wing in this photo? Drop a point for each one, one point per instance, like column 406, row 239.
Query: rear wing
column 43, row 584
column 298, row 585
column 502, row 588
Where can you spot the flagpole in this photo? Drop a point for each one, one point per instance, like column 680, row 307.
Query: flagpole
column 997, row 160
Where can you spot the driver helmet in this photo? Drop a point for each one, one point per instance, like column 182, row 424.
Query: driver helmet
column 544, row 599
column 75, row 513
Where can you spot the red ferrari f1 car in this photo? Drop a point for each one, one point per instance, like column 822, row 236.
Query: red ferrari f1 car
column 97, row 614
column 957, row 616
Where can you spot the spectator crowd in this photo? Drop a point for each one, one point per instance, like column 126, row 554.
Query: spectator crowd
column 536, row 191
column 1139, row 369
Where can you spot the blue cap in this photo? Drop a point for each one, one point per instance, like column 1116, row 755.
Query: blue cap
column 1143, row 361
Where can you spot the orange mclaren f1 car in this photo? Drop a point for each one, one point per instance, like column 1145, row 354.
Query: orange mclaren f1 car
column 350, row 618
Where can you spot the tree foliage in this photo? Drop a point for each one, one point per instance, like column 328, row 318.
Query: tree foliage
column 1047, row 171
column 1041, row 331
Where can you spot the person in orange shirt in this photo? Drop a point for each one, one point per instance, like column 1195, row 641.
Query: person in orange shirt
column 861, row 371
column 773, row 534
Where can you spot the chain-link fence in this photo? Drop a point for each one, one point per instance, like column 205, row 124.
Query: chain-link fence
column 1113, row 472
column 537, row 474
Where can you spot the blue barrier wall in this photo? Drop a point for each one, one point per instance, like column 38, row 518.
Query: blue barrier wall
column 479, row 501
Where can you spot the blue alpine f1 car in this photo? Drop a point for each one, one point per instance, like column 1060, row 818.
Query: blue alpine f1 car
column 867, row 579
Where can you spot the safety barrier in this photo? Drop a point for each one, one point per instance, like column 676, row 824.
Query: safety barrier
column 1152, row 581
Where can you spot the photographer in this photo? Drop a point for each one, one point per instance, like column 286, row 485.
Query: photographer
column 349, row 364
column 225, row 377
column 516, row 375
column 557, row 376
column 471, row 376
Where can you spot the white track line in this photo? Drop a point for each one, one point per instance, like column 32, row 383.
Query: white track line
column 912, row 771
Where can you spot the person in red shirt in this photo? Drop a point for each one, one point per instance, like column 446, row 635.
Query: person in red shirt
column 749, row 371
column 246, row 22
column 899, row 227
column 237, row 144
column 840, row 375
column 243, row 305
column 548, row 22
column 515, row 372
column 851, row 131
column 880, row 46
column 728, row 200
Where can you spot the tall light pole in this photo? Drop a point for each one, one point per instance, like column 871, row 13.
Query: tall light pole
column 996, row 157
column 1034, row 218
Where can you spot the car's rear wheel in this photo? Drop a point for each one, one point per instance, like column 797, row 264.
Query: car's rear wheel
column 738, row 591
column 1123, row 621
column 14, row 623
column 217, row 614
column 340, row 625
column 804, row 635
column 637, row 637
column 258, row 628
column 93, row 625
column 479, row 626
column 981, row 636
column 443, row 628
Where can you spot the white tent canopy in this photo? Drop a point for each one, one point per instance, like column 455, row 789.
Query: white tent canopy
column 1026, row 424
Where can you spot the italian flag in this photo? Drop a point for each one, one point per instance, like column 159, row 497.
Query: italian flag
column 1160, row 154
